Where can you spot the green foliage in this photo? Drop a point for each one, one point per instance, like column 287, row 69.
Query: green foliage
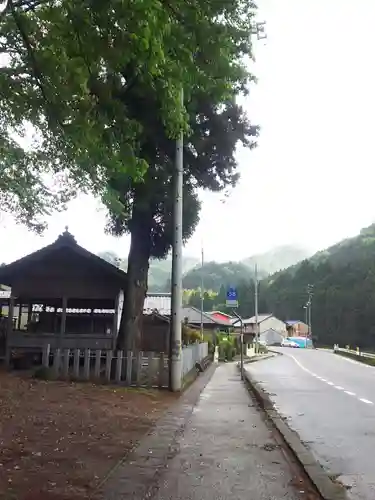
column 190, row 335
column 194, row 299
column 43, row 373
column 70, row 70
column 361, row 359
column 227, row 349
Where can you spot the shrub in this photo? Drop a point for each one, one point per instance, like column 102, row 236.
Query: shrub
column 190, row 335
column 227, row 350
column 43, row 373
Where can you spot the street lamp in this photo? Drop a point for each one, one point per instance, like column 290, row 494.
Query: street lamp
column 309, row 306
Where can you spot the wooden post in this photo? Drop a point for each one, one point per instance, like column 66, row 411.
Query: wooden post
column 45, row 355
column 63, row 319
column 9, row 331
column 56, row 362
column 19, row 315
column 119, row 365
column 66, row 363
column 98, row 357
column 86, row 366
column 129, row 367
column 108, row 365
column 138, row 367
column 150, row 369
column 77, row 353
column 114, row 324
column 161, row 370
column 29, row 313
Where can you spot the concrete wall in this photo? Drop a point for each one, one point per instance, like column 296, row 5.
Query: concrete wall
column 193, row 354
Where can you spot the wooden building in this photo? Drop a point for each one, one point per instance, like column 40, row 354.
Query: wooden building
column 72, row 297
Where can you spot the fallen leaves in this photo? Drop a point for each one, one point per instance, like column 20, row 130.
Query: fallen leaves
column 58, row 440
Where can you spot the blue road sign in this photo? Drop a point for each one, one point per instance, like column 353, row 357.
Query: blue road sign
column 232, row 294
column 232, row 300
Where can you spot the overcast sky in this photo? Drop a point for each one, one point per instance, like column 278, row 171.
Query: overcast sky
column 311, row 181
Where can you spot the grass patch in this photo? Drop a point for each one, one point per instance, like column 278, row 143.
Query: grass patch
column 361, row 359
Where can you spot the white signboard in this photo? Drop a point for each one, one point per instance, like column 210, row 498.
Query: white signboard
column 5, row 294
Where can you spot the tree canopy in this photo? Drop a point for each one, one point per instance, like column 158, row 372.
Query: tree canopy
column 66, row 72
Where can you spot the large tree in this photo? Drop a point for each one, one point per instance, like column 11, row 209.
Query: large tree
column 209, row 162
column 66, row 69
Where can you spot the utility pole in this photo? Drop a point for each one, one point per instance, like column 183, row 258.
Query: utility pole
column 259, row 30
column 256, row 309
column 202, row 293
column 175, row 359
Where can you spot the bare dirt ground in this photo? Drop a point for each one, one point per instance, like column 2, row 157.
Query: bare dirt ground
column 59, row 440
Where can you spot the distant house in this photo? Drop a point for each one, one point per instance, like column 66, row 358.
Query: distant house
column 160, row 302
column 265, row 322
column 193, row 316
column 297, row 328
column 271, row 337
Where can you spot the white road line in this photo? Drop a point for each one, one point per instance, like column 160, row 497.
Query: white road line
column 350, row 393
column 366, row 401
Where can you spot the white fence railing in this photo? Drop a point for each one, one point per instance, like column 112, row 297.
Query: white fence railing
column 354, row 352
column 191, row 355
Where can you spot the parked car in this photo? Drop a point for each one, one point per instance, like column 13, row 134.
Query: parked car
column 289, row 343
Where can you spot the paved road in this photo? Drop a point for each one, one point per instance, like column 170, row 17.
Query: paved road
column 330, row 402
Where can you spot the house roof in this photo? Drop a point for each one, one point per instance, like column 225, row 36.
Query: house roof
column 66, row 242
column 252, row 320
column 193, row 315
column 292, row 322
column 223, row 314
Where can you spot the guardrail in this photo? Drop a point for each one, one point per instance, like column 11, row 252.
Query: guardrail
column 355, row 352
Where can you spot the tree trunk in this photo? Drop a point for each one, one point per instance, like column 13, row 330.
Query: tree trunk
column 129, row 337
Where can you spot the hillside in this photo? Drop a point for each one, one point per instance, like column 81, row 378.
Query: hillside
column 216, row 275
column 344, row 291
column 232, row 273
column 276, row 259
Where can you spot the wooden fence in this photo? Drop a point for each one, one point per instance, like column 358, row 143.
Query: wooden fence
column 148, row 369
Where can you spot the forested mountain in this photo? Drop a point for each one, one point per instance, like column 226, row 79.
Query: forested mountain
column 277, row 258
column 343, row 276
column 225, row 274
column 216, row 275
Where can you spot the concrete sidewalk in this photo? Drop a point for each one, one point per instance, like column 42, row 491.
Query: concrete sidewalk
column 228, row 451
